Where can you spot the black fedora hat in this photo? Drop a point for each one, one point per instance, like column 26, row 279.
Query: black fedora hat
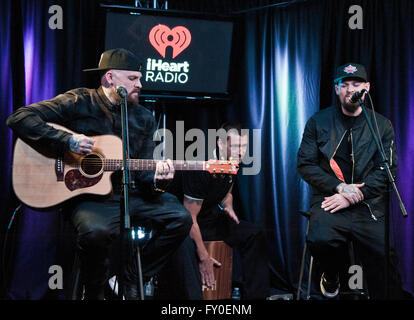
column 350, row 70
column 120, row 59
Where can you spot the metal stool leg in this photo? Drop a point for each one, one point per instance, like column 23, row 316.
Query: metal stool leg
column 308, row 289
column 76, row 278
column 303, row 263
column 302, row 270
column 140, row 282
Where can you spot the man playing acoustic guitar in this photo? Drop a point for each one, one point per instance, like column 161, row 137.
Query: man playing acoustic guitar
column 94, row 112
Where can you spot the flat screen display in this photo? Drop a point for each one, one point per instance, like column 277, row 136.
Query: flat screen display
column 179, row 55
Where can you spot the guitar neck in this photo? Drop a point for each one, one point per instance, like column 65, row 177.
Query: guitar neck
column 149, row 164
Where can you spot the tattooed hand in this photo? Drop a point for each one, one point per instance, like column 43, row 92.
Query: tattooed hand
column 351, row 192
column 80, row 144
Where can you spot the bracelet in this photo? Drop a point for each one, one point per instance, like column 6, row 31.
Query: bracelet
column 158, row 189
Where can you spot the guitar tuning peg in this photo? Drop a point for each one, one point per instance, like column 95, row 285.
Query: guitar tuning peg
column 214, row 176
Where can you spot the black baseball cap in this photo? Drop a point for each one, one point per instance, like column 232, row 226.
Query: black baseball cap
column 120, row 59
column 350, row 70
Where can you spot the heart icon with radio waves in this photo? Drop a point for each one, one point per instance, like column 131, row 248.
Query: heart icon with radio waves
column 178, row 38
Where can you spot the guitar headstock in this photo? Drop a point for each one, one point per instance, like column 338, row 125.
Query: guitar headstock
column 222, row 167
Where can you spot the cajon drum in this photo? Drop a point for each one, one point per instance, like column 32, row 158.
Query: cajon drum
column 221, row 289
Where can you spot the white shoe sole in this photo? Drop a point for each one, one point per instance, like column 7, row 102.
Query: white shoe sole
column 326, row 293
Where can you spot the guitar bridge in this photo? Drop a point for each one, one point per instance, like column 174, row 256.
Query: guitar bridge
column 59, row 168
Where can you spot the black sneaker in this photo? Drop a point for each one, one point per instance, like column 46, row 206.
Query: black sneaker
column 329, row 289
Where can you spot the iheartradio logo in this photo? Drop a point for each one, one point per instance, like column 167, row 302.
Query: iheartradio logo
column 161, row 37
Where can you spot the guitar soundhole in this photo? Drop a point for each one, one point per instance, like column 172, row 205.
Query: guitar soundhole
column 91, row 165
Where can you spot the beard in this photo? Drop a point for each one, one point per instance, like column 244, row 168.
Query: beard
column 350, row 107
column 133, row 100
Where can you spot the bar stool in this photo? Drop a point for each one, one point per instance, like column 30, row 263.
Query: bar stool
column 311, row 261
column 303, row 262
column 77, row 288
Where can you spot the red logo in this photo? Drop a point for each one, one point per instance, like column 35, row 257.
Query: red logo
column 178, row 38
column 350, row 69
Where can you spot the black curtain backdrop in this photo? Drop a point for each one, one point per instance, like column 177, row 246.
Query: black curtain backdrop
column 283, row 60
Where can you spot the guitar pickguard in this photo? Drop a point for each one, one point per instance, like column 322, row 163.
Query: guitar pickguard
column 75, row 180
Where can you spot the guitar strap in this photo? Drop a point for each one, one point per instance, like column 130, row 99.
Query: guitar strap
column 101, row 105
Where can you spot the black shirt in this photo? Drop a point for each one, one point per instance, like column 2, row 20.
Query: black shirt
column 88, row 111
column 343, row 155
column 202, row 185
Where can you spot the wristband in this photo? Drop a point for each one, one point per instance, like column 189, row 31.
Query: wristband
column 158, row 189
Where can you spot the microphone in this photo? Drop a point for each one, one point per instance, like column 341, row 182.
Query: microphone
column 121, row 91
column 357, row 95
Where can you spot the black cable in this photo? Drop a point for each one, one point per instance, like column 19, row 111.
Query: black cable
column 3, row 269
column 158, row 123
column 376, row 126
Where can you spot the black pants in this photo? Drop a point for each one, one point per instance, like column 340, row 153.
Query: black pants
column 328, row 236
column 180, row 279
column 97, row 225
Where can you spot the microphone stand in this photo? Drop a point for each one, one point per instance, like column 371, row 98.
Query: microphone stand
column 394, row 187
column 127, row 232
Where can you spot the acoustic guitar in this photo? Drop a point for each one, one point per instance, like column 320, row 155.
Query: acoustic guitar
column 42, row 179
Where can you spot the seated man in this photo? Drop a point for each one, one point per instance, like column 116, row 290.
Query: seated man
column 338, row 157
column 92, row 112
column 202, row 193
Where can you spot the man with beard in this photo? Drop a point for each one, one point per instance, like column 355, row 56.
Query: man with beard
column 92, row 112
column 338, row 157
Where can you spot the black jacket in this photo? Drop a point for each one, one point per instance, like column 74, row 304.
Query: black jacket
column 321, row 138
column 88, row 111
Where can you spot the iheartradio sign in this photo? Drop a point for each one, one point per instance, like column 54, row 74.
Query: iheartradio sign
column 161, row 37
column 181, row 55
